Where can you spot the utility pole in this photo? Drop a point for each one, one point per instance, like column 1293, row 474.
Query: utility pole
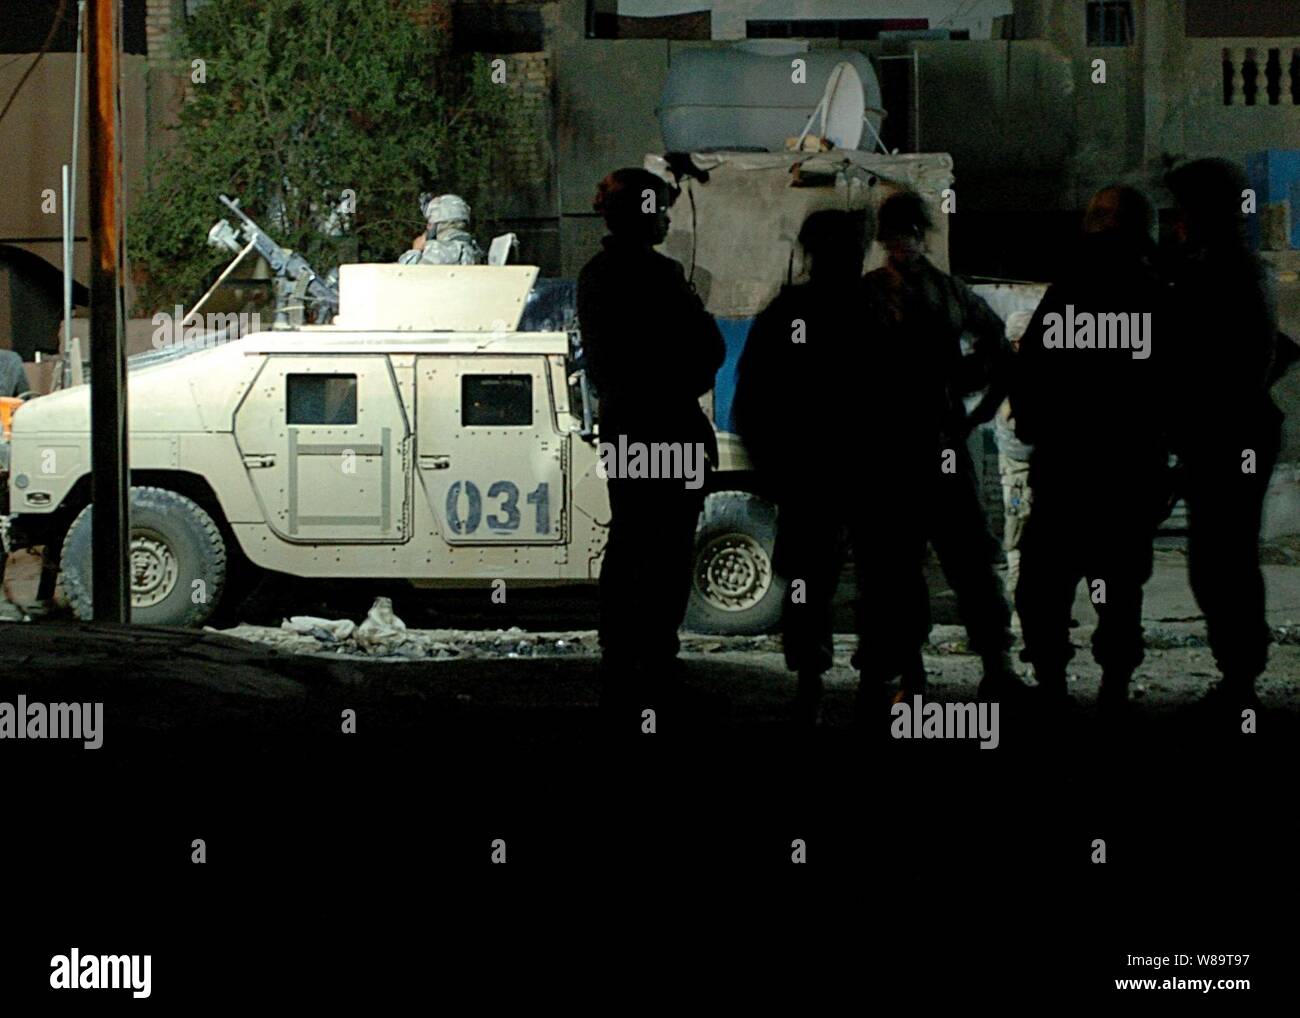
column 109, row 562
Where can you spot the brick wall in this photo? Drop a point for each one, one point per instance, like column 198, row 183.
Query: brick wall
column 525, row 156
column 161, row 16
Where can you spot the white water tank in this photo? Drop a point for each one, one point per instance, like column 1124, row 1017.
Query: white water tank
column 729, row 99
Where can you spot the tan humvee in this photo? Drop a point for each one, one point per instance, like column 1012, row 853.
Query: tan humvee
column 420, row 437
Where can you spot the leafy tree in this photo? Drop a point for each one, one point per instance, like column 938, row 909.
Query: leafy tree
column 301, row 102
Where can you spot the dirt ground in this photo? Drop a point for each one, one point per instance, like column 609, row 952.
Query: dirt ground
column 560, row 629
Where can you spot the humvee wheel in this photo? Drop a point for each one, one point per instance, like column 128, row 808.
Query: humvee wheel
column 153, row 570
column 734, row 590
column 178, row 561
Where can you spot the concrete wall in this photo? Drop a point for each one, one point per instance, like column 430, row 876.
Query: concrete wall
column 1164, row 96
column 606, row 92
column 985, row 103
column 1032, row 135
column 1191, row 118
column 1024, row 121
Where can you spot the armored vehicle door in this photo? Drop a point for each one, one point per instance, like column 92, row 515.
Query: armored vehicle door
column 325, row 441
column 489, row 454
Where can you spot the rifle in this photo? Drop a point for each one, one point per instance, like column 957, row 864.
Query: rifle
column 297, row 284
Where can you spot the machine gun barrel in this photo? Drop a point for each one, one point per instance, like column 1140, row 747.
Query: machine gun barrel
column 287, row 265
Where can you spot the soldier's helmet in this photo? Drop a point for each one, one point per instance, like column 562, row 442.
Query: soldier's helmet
column 903, row 214
column 446, row 208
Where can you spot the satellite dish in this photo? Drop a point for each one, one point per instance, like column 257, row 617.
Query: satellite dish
column 842, row 107
column 844, row 104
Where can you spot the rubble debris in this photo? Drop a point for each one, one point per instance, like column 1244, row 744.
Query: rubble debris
column 381, row 630
column 383, row 635
column 333, row 630
column 1169, row 638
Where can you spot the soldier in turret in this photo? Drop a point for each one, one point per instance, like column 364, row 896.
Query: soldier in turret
column 447, row 240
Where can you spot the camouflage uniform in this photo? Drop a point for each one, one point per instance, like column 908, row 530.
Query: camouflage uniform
column 1017, row 496
column 451, row 243
column 1013, row 467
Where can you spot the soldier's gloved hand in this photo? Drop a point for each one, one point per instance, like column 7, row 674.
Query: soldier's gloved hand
column 418, row 243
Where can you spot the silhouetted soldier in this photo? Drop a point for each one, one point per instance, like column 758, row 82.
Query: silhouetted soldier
column 651, row 351
column 927, row 312
column 1098, row 463
column 1226, row 429
column 798, row 406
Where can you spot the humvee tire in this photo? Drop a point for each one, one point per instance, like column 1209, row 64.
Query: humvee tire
column 734, row 591
column 174, row 543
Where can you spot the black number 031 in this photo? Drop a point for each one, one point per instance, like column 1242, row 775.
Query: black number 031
column 505, row 516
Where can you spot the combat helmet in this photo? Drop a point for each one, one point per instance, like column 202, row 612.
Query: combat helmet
column 445, row 208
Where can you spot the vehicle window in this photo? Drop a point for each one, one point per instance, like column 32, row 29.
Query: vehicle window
column 496, row 400
column 322, row 399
